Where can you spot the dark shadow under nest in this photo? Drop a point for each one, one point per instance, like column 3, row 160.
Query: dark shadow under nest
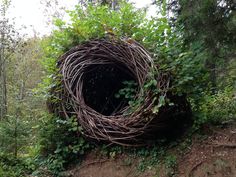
column 94, row 72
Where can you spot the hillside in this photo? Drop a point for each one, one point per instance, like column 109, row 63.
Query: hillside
column 211, row 154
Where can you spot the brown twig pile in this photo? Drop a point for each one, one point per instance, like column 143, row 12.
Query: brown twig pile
column 124, row 125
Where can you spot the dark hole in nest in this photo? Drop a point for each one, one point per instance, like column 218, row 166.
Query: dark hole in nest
column 100, row 85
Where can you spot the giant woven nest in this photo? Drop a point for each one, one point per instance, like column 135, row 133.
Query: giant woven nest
column 91, row 73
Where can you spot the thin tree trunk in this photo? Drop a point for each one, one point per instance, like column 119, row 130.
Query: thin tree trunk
column 16, row 136
column 3, row 87
column 18, row 115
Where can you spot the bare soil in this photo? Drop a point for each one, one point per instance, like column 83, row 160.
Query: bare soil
column 212, row 156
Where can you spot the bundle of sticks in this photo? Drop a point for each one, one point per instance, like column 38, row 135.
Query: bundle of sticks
column 82, row 71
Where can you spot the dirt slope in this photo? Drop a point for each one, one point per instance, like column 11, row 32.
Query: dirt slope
column 214, row 156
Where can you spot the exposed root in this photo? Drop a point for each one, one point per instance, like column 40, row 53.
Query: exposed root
column 194, row 168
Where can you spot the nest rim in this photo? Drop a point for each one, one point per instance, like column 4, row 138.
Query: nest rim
column 119, row 128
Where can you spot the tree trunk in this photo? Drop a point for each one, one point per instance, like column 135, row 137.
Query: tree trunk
column 3, row 84
column 16, row 137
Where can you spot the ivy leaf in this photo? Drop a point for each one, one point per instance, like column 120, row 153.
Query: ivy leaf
column 161, row 101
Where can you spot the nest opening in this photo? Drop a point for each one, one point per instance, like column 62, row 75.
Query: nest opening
column 100, row 85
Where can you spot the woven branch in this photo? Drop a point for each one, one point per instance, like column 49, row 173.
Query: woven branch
column 122, row 126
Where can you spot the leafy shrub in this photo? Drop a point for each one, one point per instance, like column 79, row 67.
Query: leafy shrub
column 218, row 108
column 170, row 164
column 164, row 38
column 14, row 167
column 60, row 143
column 13, row 135
column 156, row 34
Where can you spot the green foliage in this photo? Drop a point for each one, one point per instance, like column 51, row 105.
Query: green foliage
column 12, row 167
column 217, row 19
column 92, row 22
column 111, row 152
column 218, row 108
column 17, row 132
column 185, row 65
column 85, row 24
column 150, row 157
column 211, row 23
column 156, row 34
column 208, row 33
column 129, row 90
column 184, row 145
column 61, row 143
column 170, row 164
column 14, row 135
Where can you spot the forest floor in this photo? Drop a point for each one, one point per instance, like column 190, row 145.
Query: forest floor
column 211, row 154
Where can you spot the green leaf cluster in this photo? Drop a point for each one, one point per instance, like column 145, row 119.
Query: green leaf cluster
column 217, row 109
column 60, row 143
column 11, row 166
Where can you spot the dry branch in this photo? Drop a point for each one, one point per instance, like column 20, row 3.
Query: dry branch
column 122, row 126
